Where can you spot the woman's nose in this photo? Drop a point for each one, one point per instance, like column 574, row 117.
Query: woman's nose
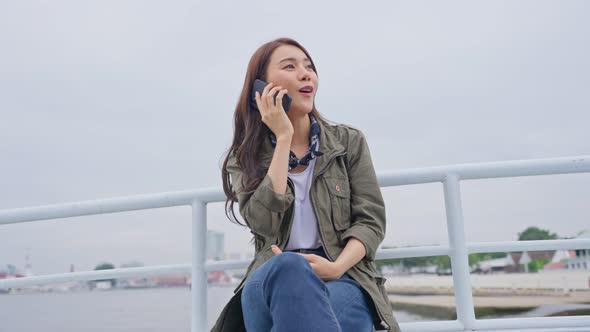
column 305, row 75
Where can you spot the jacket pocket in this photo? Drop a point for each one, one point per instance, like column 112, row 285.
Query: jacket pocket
column 339, row 190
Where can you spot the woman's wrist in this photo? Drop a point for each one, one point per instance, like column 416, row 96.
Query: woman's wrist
column 285, row 138
column 339, row 268
column 353, row 252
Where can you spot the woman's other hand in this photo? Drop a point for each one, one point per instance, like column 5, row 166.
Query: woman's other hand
column 276, row 250
column 274, row 115
column 324, row 269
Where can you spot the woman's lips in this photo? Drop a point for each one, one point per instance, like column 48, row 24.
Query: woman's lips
column 307, row 94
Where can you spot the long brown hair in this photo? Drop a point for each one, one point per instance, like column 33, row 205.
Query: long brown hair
column 249, row 130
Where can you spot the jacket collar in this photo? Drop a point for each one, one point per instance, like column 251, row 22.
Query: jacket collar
column 329, row 144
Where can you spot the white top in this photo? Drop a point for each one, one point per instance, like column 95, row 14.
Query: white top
column 304, row 231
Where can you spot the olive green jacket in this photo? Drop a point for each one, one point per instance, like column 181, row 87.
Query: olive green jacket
column 347, row 203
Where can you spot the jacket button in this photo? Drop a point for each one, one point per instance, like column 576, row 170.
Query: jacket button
column 384, row 324
column 338, row 188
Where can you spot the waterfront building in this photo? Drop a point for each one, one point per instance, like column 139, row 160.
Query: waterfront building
column 215, row 246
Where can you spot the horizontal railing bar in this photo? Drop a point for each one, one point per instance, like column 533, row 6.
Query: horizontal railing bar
column 407, row 252
column 484, row 247
column 530, row 324
column 534, row 323
column 518, row 246
column 536, row 329
column 227, row 265
column 96, row 275
column 434, row 326
column 110, row 205
column 119, row 273
column 564, row 165
column 487, row 170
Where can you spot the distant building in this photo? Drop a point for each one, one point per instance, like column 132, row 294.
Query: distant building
column 559, row 261
column 518, row 261
column 555, row 258
column 218, row 277
column 103, row 284
column 133, row 282
column 215, row 246
column 170, row 280
column 9, row 271
column 28, row 265
column 495, row 265
column 554, row 266
column 581, row 259
column 428, row 269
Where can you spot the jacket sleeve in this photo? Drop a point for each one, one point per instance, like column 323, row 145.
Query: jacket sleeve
column 263, row 208
column 366, row 201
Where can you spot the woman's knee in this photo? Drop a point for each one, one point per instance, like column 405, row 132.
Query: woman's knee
column 290, row 262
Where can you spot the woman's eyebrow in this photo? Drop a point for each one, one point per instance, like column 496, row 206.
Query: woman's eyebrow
column 293, row 59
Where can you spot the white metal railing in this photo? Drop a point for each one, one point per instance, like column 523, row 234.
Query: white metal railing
column 458, row 249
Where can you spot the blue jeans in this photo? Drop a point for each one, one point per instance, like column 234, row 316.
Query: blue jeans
column 284, row 294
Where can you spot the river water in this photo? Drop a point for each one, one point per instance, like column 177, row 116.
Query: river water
column 145, row 310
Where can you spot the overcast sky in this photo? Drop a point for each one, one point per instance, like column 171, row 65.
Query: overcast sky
column 101, row 99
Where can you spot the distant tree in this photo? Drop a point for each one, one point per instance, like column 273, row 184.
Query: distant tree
column 537, row 264
column 535, row 233
column 443, row 262
column 106, row 266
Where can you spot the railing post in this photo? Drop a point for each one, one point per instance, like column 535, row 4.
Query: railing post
column 199, row 275
column 459, row 255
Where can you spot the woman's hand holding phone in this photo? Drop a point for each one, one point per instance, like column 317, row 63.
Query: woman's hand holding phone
column 274, row 115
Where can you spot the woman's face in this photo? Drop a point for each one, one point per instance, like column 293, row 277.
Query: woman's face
column 290, row 68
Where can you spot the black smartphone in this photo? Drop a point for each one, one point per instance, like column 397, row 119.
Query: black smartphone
column 259, row 86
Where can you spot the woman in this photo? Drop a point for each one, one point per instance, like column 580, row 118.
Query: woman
column 308, row 192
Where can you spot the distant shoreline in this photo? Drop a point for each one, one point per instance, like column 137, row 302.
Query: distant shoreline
column 443, row 306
